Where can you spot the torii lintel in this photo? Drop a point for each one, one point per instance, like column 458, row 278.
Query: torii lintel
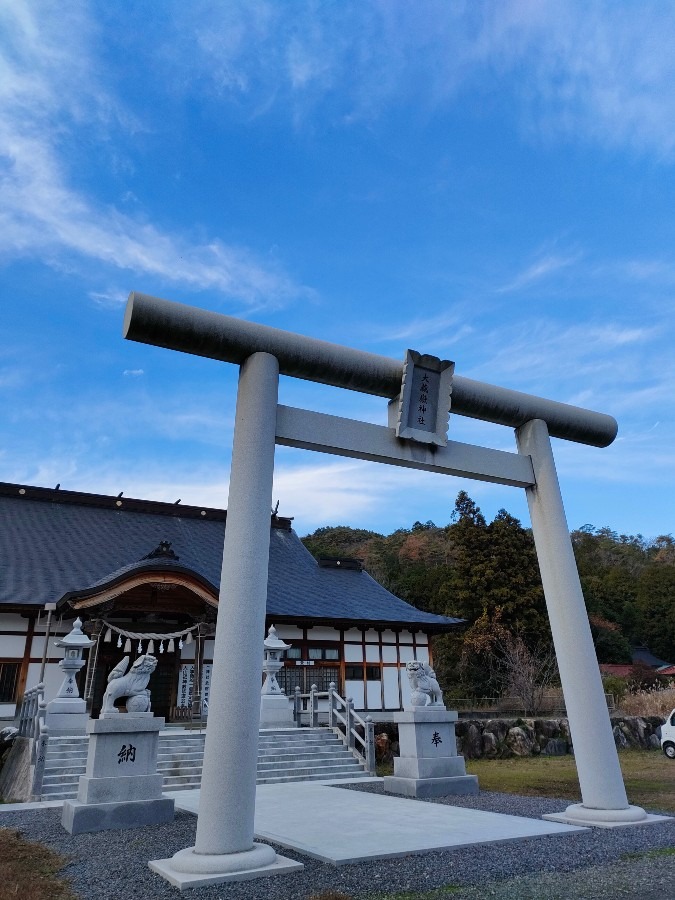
column 176, row 326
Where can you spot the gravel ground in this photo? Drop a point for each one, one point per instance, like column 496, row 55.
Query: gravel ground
column 602, row 863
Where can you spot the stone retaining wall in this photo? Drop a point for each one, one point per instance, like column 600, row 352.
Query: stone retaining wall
column 503, row 738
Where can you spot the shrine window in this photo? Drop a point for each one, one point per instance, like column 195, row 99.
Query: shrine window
column 9, row 679
column 358, row 673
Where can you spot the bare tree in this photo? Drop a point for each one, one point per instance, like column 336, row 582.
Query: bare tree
column 522, row 673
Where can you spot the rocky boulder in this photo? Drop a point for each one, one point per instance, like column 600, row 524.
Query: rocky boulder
column 383, row 748
column 520, row 740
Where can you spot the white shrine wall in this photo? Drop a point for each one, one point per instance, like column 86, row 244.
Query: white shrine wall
column 22, row 643
column 365, row 648
column 370, row 661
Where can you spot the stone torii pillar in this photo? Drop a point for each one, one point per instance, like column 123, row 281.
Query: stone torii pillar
column 224, row 847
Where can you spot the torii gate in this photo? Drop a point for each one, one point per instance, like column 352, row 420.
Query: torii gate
column 224, row 847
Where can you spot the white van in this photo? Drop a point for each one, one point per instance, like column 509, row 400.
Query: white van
column 668, row 736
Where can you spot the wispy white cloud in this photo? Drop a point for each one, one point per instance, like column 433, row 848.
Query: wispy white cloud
column 541, row 350
column 134, row 372
column 109, row 299
column 545, row 266
column 50, row 86
column 444, row 324
column 602, row 71
column 645, row 459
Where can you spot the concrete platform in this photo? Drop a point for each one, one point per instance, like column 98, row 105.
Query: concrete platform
column 338, row 826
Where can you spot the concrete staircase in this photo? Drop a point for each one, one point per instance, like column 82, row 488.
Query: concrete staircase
column 284, row 754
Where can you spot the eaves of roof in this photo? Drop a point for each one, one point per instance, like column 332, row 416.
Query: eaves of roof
column 132, row 573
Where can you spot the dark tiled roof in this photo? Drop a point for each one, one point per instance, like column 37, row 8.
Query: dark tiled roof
column 142, row 567
column 644, row 655
column 52, row 543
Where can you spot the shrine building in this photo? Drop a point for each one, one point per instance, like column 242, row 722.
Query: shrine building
column 144, row 577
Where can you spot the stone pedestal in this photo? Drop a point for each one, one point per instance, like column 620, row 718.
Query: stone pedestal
column 121, row 787
column 428, row 765
column 275, row 711
column 67, row 716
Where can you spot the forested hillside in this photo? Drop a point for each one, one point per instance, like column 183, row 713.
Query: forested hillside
column 487, row 573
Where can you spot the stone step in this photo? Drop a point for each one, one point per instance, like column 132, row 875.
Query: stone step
column 64, row 758
column 165, row 735
column 64, row 791
column 296, row 734
column 171, row 782
column 308, row 762
column 342, row 776
column 66, row 769
column 196, row 756
column 267, row 758
column 188, row 772
column 309, row 765
column 67, row 787
column 292, row 746
column 283, row 758
column 54, row 749
column 187, row 738
column 60, row 795
column 182, row 772
column 180, row 754
column 192, row 760
column 180, row 746
column 267, row 754
column 285, row 755
column 301, row 739
column 61, row 777
column 70, row 747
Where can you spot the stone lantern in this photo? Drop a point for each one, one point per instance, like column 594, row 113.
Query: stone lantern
column 275, row 707
column 67, row 713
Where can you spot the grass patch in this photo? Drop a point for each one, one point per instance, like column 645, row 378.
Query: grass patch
column 648, row 776
column 30, row 871
column 435, row 894
column 650, row 854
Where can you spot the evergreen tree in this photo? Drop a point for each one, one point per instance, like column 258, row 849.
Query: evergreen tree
column 495, row 567
column 656, row 605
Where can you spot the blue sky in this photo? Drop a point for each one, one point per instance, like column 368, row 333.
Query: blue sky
column 488, row 182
